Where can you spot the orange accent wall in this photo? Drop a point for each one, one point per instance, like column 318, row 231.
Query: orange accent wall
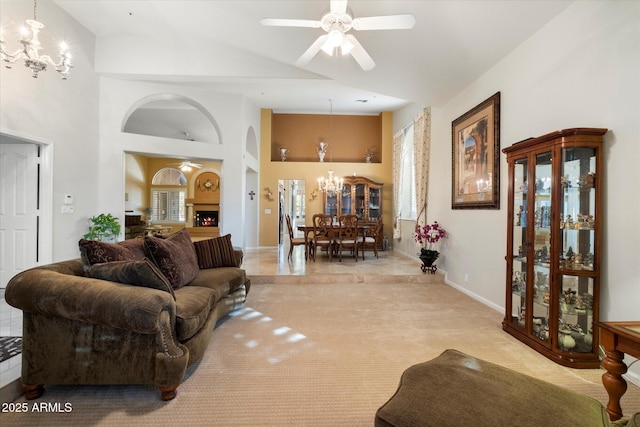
column 349, row 137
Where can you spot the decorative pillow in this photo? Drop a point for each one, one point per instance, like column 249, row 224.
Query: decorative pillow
column 174, row 256
column 137, row 273
column 216, row 252
column 95, row 252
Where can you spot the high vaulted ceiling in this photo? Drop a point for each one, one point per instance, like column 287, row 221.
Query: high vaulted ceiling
column 221, row 46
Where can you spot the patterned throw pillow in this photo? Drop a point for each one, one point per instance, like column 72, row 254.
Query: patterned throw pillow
column 174, row 256
column 216, row 252
column 137, row 273
column 95, row 252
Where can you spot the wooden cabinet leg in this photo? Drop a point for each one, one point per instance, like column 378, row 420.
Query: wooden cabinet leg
column 613, row 382
column 168, row 393
column 32, row 391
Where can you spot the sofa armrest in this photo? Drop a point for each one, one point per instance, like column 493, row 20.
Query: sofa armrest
column 239, row 254
column 84, row 299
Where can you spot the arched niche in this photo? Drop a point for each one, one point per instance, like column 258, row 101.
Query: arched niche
column 172, row 116
column 252, row 142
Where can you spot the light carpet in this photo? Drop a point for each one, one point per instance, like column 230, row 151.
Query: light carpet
column 314, row 355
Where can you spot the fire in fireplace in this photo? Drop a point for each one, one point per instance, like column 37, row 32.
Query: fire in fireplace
column 206, row 218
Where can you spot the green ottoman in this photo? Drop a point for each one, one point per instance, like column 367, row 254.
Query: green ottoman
column 456, row 389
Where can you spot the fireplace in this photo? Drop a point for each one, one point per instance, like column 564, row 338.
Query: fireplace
column 206, row 219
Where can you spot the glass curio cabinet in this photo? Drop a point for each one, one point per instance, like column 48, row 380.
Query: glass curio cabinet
column 553, row 244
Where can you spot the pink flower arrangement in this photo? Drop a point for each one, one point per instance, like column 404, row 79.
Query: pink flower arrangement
column 429, row 234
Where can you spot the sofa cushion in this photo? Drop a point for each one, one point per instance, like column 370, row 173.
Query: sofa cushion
column 137, row 273
column 193, row 305
column 95, row 252
column 222, row 279
column 174, row 256
column 215, row 252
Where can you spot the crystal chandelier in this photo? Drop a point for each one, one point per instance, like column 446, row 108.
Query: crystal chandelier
column 30, row 50
column 332, row 184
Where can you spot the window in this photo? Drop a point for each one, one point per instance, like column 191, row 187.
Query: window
column 168, row 204
column 407, row 187
column 169, row 176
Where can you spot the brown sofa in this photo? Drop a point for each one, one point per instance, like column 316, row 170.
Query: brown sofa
column 79, row 329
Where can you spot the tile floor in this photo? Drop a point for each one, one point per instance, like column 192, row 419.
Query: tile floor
column 10, row 326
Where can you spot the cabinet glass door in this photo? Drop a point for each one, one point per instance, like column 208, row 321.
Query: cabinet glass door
column 331, row 204
column 519, row 244
column 541, row 246
column 577, row 226
column 359, row 201
column 345, row 201
column 374, row 204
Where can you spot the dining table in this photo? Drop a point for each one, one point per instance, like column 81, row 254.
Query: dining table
column 334, row 231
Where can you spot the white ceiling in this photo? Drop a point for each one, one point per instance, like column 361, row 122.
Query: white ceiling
column 451, row 45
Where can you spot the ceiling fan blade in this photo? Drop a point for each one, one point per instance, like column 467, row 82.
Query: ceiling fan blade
column 338, row 6
column 359, row 54
column 312, row 51
column 389, row 22
column 276, row 22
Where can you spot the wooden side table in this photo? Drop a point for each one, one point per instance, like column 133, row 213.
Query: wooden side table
column 617, row 338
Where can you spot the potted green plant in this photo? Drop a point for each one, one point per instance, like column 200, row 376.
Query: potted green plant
column 105, row 228
column 427, row 236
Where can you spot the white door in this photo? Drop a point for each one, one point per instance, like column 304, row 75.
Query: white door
column 19, row 208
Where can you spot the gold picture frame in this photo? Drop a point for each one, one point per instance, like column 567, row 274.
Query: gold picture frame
column 475, row 166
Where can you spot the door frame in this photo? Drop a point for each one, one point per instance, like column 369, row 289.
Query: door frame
column 45, row 237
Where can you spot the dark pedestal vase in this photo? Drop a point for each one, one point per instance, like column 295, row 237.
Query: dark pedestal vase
column 428, row 258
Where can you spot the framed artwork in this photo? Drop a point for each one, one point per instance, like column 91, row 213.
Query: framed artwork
column 475, row 141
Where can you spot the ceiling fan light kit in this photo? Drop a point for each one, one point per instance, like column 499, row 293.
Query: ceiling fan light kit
column 187, row 166
column 337, row 23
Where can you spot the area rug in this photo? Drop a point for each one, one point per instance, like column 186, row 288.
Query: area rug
column 9, row 347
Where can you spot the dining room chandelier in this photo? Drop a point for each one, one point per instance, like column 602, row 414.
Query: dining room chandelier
column 31, row 46
column 332, row 184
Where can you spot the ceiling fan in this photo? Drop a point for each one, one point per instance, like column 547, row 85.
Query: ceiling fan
column 337, row 23
column 186, row 165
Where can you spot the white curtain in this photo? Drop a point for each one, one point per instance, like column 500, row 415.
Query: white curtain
column 397, row 159
column 421, row 148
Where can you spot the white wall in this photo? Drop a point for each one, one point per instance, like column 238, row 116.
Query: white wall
column 580, row 70
column 231, row 113
column 82, row 118
column 64, row 112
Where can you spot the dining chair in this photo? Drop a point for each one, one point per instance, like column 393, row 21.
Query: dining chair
column 294, row 241
column 369, row 239
column 323, row 235
column 347, row 238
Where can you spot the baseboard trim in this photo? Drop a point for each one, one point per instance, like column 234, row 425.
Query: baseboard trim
column 633, row 374
column 11, row 391
column 471, row 294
